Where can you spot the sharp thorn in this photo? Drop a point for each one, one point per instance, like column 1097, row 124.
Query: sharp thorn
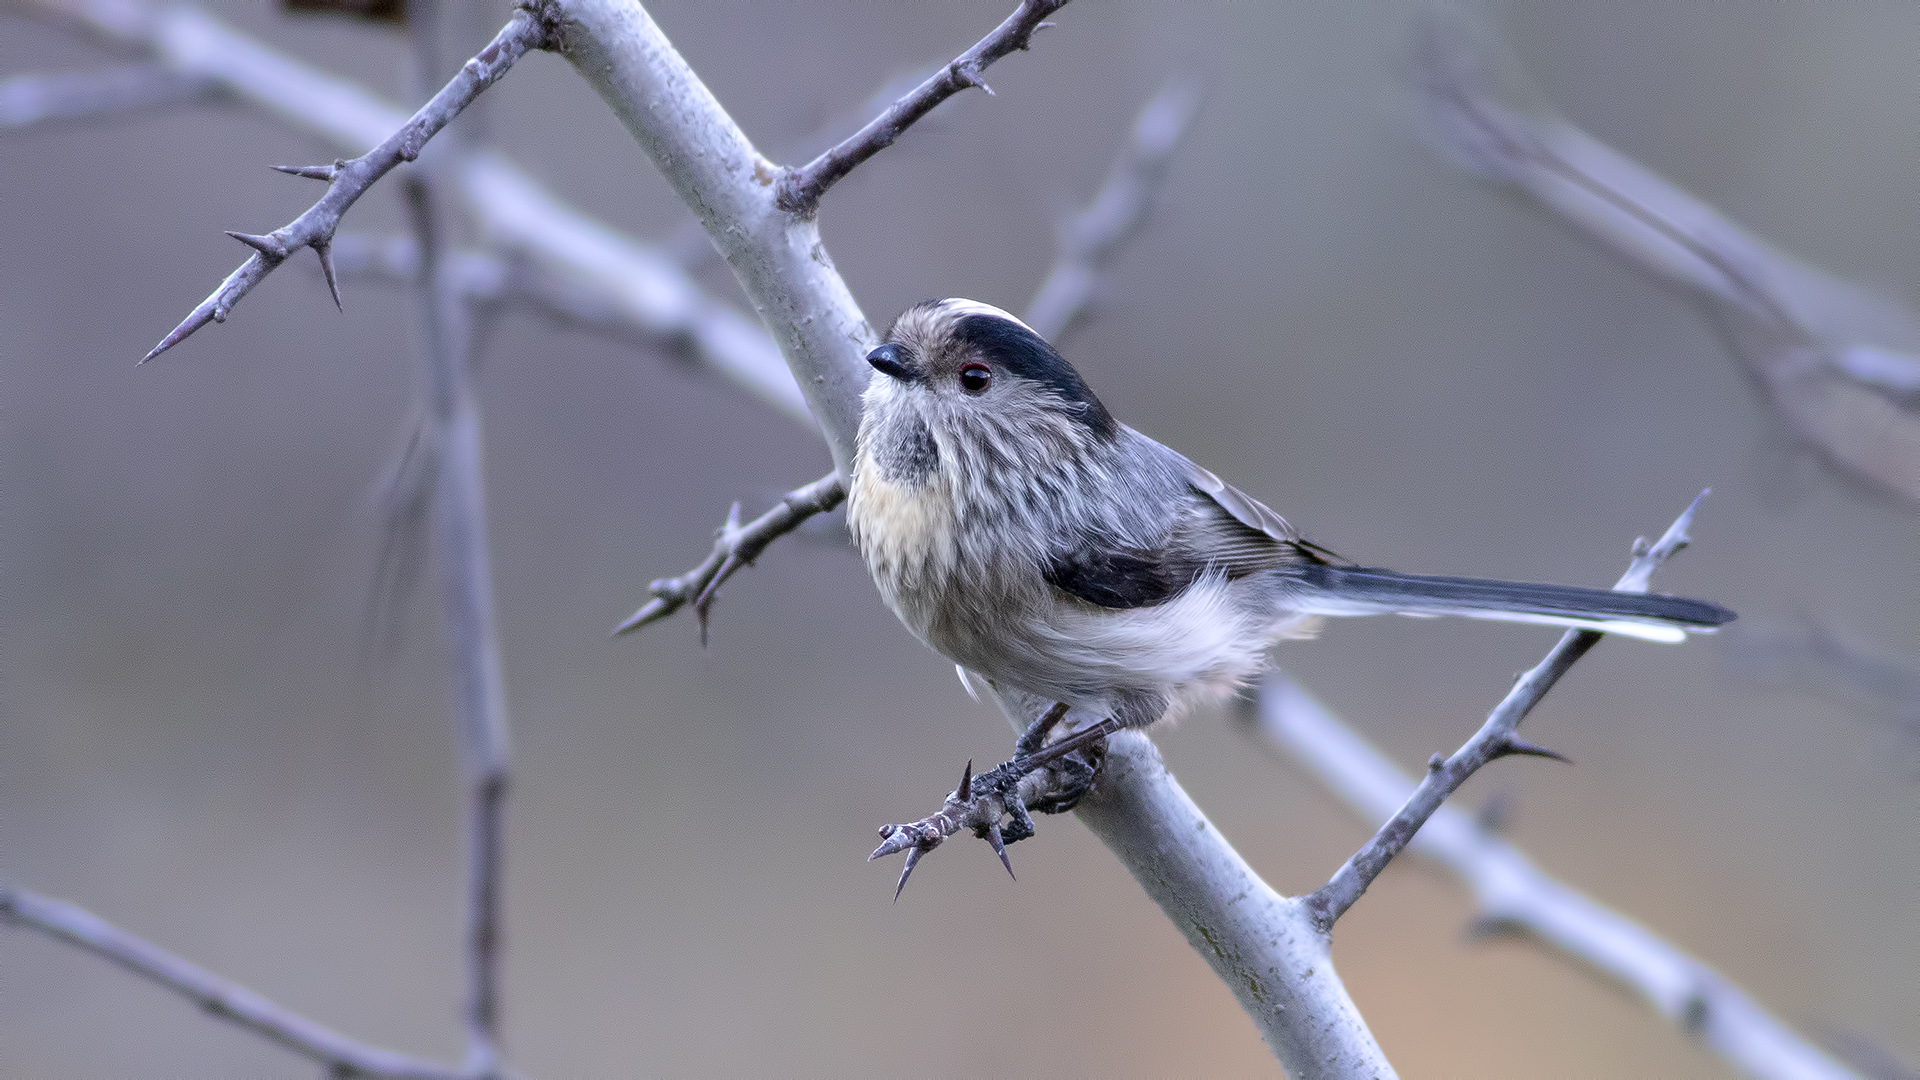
column 913, row 859
column 700, row 612
column 652, row 610
column 965, row 791
column 324, row 249
column 311, row 172
column 267, row 245
column 1514, row 745
column 1000, row 847
column 201, row 316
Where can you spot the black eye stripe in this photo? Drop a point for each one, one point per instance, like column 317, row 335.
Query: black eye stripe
column 1017, row 351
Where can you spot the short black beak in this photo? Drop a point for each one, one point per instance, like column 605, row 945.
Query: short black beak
column 891, row 359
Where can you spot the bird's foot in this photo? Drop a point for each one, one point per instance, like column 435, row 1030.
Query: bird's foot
column 1048, row 777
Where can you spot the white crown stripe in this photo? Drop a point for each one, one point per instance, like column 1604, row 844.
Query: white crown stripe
column 975, row 307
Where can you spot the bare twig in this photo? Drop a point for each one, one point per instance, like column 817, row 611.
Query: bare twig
column 1840, row 365
column 1259, row 943
column 735, row 549
column 457, row 520
column 27, row 100
column 213, row 994
column 1090, row 238
column 1494, row 740
column 455, row 514
column 348, row 180
column 800, row 189
column 688, row 243
column 1515, row 896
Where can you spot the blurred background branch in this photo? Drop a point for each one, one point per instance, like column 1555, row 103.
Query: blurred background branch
column 1815, row 658
column 456, row 520
column 26, row 100
column 1514, row 897
column 213, row 994
column 1840, row 365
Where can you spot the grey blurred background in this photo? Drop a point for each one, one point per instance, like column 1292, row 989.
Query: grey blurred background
column 199, row 739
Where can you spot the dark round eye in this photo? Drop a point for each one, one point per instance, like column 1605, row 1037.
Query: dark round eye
column 975, row 378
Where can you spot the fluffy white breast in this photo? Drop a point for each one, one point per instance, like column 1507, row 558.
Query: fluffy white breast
column 905, row 531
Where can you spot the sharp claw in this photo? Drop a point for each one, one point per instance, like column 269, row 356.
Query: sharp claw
column 913, row 860
column 1000, row 847
column 1074, row 742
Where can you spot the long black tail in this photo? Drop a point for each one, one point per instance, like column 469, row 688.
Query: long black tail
column 1344, row 590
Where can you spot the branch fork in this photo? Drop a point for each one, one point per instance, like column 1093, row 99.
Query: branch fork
column 800, row 188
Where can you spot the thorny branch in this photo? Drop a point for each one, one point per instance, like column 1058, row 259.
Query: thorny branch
column 1494, row 740
column 637, row 282
column 735, row 549
column 1089, row 241
column 1840, row 365
column 801, row 188
column 217, row 996
column 86, row 95
column 1516, row 897
column 350, row 179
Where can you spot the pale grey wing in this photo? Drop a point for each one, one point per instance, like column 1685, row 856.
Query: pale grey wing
column 1235, row 532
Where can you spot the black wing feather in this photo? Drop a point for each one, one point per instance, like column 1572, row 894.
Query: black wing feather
column 1115, row 579
column 1219, row 527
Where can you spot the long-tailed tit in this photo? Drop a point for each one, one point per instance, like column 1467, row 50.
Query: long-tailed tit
column 1020, row 530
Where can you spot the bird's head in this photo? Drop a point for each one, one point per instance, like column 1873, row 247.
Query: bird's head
column 961, row 364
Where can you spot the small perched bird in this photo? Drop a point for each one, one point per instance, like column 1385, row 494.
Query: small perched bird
column 1021, row 531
